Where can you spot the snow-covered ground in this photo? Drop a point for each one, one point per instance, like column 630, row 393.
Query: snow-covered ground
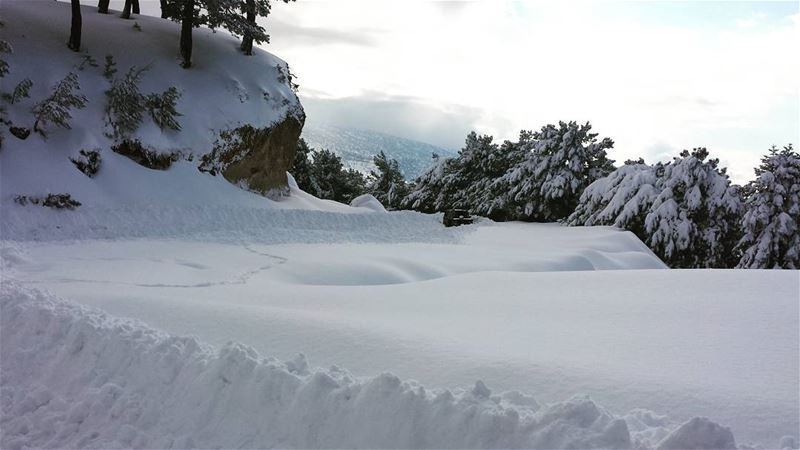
column 532, row 308
column 508, row 326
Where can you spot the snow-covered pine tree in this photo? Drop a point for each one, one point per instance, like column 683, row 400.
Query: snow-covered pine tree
column 621, row 199
column 56, row 108
column 560, row 161
column 387, row 183
column 162, row 108
column 126, row 104
column 693, row 221
column 771, row 223
column 425, row 196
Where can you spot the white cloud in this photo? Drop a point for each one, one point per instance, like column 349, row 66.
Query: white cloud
column 512, row 65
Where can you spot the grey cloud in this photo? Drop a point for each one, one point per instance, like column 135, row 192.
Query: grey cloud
column 445, row 126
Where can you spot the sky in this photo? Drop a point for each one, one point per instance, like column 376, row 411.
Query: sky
column 656, row 77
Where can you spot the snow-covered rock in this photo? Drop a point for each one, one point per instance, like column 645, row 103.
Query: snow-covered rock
column 368, row 201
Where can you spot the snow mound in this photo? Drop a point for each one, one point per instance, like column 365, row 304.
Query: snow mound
column 76, row 377
column 368, row 201
column 699, row 433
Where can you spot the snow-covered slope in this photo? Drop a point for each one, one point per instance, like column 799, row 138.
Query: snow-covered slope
column 224, row 89
column 357, row 147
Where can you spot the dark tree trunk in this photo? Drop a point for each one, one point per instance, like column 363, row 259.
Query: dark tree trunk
column 136, row 6
column 187, row 16
column 164, row 9
column 74, row 42
column 126, row 11
column 247, row 39
column 102, row 6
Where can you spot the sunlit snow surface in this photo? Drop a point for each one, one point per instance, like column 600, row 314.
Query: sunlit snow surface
column 522, row 307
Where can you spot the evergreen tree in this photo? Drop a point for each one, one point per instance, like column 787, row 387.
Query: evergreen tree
column 56, row 108
column 621, row 199
column 301, row 167
column 693, row 221
column 771, row 223
column 560, row 161
column 387, row 183
column 102, row 6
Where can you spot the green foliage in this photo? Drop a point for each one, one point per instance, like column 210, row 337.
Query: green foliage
column 162, row 108
column 110, row 68
column 5, row 47
column 125, row 105
column 322, row 174
column 56, row 108
column 88, row 162
column 21, row 90
column 387, row 183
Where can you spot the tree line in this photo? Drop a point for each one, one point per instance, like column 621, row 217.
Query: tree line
column 686, row 210
column 239, row 17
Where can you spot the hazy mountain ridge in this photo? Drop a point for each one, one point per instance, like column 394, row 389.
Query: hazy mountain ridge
column 357, row 147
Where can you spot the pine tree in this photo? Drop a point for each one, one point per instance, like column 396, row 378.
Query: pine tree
column 102, row 6
column 771, row 223
column 693, row 221
column 560, row 161
column 301, row 167
column 622, row 199
column 387, row 183
column 56, row 108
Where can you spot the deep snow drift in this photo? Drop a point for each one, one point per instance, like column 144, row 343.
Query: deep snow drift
column 74, row 377
column 522, row 307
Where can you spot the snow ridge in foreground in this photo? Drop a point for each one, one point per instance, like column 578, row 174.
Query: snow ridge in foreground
column 117, row 383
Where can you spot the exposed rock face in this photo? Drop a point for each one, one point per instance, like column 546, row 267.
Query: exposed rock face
column 257, row 158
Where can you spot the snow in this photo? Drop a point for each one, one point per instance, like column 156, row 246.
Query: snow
column 368, row 201
column 152, row 315
column 223, row 89
column 521, row 307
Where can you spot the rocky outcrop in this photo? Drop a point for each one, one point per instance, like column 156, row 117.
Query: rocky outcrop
column 257, row 158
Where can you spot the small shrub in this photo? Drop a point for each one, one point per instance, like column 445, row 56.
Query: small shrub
column 126, row 104
column 87, row 60
column 20, row 132
column 57, row 201
column 136, row 26
column 134, row 150
column 88, row 162
column 21, row 90
column 162, row 108
column 110, row 68
column 56, row 108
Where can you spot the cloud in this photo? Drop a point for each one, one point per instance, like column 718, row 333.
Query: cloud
column 292, row 35
column 442, row 125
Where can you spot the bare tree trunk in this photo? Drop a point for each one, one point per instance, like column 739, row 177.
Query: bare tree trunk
column 247, row 39
column 136, row 6
column 186, row 33
column 74, row 42
column 164, row 9
column 126, row 11
column 102, row 6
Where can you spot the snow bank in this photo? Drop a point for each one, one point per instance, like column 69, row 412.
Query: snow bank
column 76, row 377
column 220, row 223
column 368, row 201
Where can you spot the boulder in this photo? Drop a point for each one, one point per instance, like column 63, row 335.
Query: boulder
column 257, row 158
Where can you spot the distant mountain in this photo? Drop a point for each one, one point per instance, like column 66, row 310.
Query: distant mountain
column 357, row 147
